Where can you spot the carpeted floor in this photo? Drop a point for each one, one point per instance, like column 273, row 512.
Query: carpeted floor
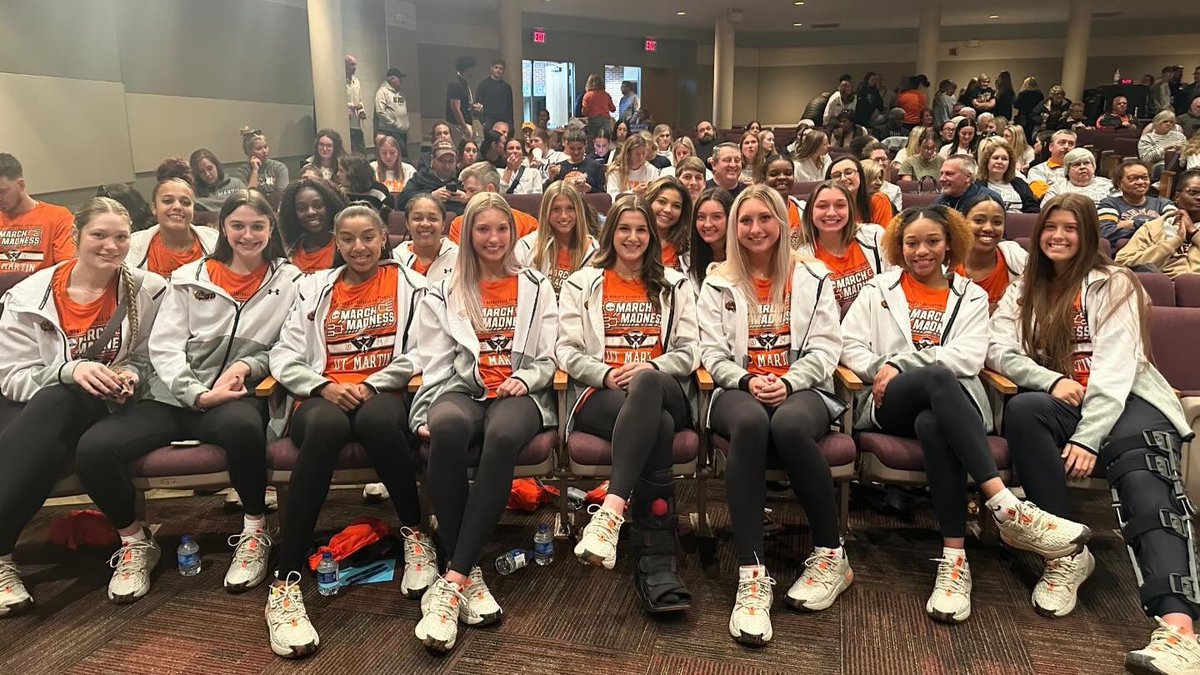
column 570, row 618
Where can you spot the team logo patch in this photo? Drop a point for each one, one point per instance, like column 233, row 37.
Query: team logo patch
column 730, row 306
column 499, row 343
column 46, row 326
column 204, row 296
column 635, row 338
column 13, row 255
column 363, row 342
column 767, row 340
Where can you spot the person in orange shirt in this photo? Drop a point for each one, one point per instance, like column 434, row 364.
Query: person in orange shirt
column 33, row 235
column 710, row 224
column 779, row 172
column 869, row 208
column 852, row 252
column 427, row 252
column 306, row 214
column 483, row 177
column 672, row 208
column 992, row 262
column 563, row 242
column 174, row 241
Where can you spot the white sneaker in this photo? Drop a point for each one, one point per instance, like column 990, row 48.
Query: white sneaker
column 132, row 564
column 598, row 543
column 271, row 498
column 1050, row 536
column 1056, row 592
column 482, row 605
column 1169, row 653
column 750, row 621
column 251, row 550
column 375, row 492
column 420, row 563
column 440, row 609
column 14, row 599
column 950, row 601
column 826, row 575
column 292, row 634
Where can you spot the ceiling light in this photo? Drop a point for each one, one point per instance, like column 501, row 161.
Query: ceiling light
column 994, row 16
column 798, row 2
column 797, row 24
column 681, row 13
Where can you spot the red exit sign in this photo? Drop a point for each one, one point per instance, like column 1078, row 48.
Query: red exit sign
column 539, row 36
column 651, row 44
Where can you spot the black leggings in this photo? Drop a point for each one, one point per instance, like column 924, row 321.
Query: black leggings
column 1038, row 426
column 640, row 423
column 320, row 430
column 37, row 446
column 468, row 514
column 930, row 404
column 106, row 450
column 791, row 430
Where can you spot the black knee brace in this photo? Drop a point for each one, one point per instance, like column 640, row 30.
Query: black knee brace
column 1159, row 453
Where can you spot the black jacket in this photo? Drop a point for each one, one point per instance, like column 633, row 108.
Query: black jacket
column 427, row 181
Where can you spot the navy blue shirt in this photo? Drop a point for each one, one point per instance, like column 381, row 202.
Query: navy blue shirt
column 590, row 167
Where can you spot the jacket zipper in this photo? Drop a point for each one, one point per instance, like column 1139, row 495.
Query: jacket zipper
column 237, row 317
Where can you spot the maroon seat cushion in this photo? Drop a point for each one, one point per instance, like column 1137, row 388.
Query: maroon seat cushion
column 535, row 452
column 595, row 451
column 837, row 448
column 170, row 461
column 904, row 454
column 282, row 456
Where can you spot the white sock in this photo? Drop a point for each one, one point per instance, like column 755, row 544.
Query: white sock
column 140, row 535
column 1004, row 505
column 251, row 523
column 835, row 553
column 954, row 553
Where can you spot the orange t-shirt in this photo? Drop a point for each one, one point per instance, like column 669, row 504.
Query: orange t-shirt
column 83, row 323
column 313, row 261
column 240, row 286
column 795, row 225
column 419, row 267
column 995, row 283
column 770, row 341
column 632, row 326
column 360, row 330
column 495, row 340
column 925, row 309
column 670, row 256
column 163, row 260
column 1081, row 360
column 562, row 269
column 881, row 209
column 36, row 239
column 525, row 225
column 849, row 272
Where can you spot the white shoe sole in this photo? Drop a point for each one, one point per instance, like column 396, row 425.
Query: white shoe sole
column 826, row 603
column 750, row 639
column 1058, row 614
column 16, row 608
column 1071, row 548
column 236, row 588
column 592, row 558
column 433, row 644
column 947, row 617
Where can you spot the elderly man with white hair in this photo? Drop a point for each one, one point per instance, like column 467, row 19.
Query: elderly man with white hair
column 1080, row 166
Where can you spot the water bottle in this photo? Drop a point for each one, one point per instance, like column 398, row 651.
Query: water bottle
column 188, row 556
column 543, row 545
column 512, row 561
column 327, row 575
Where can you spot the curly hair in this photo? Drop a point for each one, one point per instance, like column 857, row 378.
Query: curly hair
column 958, row 234
column 289, row 221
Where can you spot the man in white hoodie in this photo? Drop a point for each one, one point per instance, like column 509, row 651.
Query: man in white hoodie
column 391, row 110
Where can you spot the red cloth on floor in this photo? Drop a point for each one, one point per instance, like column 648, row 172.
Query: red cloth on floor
column 84, row 528
column 529, row 493
column 597, row 494
column 358, row 535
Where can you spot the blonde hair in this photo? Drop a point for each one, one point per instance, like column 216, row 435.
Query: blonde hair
column 620, row 163
column 913, row 147
column 1019, row 143
column 685, row 142
column 986, row 150
column 736, row 267
column 1192, row 147
column 464, row 280
column 83, row 216
column 545, row 246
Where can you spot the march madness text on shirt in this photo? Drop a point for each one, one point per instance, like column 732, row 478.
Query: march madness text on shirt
column 626, row 335
column 22, row 250
column 361, row 339
column 495, row 342
column 926, row 325
column 79, row 344
column 771, row 339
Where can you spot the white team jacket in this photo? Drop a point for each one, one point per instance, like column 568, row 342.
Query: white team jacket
column 523, row 251
column 439, row 269
column 139, row 243
column 868, row 237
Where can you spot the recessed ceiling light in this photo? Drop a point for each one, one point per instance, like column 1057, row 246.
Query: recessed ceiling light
column 798, row 2
column 994, row 16
column 797, row 24
column 681, row 13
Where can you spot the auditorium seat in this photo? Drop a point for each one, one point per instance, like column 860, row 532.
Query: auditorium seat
column 1187, row 290
column 894, row 459
column 1159, row 287
column 589, row 455
column 1172, row 336
column 397, row 223
column 911, row 199
column 1018, row 225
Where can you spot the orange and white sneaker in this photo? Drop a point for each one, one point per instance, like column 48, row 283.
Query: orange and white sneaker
column 750, row 621
column 1057, row 591
column 598, row 543
column 441, row 607
column 1031, row 529
column 292, row 634
column 251, row 551
column 826, row 574
column 1169, row 653
column 132, row 565
column 14, row 599
column 950, row 601
column 482, row 605
column 420, row 563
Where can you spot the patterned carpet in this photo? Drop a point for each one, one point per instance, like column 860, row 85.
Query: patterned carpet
column 570, row 618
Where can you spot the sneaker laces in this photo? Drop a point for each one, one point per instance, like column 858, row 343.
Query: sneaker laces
column 286, row 603
column 750, row 596
column 1039, row 521
column 825, row 574
column 131, row 556
column 441, row 603
column 1060, row 571
column 946, row 579
column 417, row 549
column 242, row 551
column 9, row 574
column 600, row 526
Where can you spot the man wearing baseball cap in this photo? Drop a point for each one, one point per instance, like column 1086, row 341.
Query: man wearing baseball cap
column 391, row 110
column 439, row 180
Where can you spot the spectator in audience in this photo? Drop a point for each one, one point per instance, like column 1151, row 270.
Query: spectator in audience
column 359, row 184
column 1023, row 155
column 1189, row 157
column 766, row 142
column 391, row 110
column 1163, row 136
column 710, row 225
column 966, row 140
column 428, row 252
column 541, row 156
column 1189, row 122
column 727, row 169
column 662, row 147
column 893, row 124
column 1116, row 117
column 877, row 154
column 310, row 171
column 811, row 158
column 328, row 151
column 706, row 140
column 620, row 131
column 925, row 165
column 354, row 106
column 753, row 158
column 985, row 126
column 461, row 106
column 1027, row 102
column 1043, row 176
column 998, row 172
column 842, row 99
column 948, row 129
column 967, row 94
column 943, row 103
column 630, row 169
column 957, row 180
column 770, row 400
column 630, row 105
column 681, row 149
column 584, row 172
column 603, row 148
column 439, row 132
column 140, row 214
column 1053, row 110
column 495, row 96
column 754, row 126
column 212, row 185
column 1124, row 213
column 923, row 375
column 260, row 172
column 983, row 98
column 671, row 205
column 693, row 175
column 1073, row 336
column 74, row 341
column 846, row 130
column 912, row 146
column 1080, row 165
column 390, row 170
column 803, row 128
column 992, row 261
column 174, row 241
column 517, row 178
column 306, row 215
column 468, row 153
column 868, row 101
column 543, row 119
column 1168, row 243
column 912, row 100
column 483, row 177
column 869, row 208
column 439, row 180
column 33, row 234
column 1074, row 118
column 597, row 105
column 1005, row 96
column 1183, row 96
column 1160, row 93
column 563, row 242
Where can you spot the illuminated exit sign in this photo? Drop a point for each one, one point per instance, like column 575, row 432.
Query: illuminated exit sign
column 651, row 44
column 539, row 36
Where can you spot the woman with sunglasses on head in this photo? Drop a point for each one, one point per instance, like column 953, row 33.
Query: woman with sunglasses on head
column 563, row 242
column 174, row 241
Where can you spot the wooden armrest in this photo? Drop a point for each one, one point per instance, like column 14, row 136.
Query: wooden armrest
column 704, row 379
column 415, row 383
column 848, row 379
column 560, row 380
column 998, row 382
column 266, row 387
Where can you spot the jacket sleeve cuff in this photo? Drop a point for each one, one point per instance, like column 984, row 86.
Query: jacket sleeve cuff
column 744, row 383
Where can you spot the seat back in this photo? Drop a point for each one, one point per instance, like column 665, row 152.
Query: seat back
column 600, row 201
column 915, row 199
column 1187, row 290
column 1018, row 225
column 1159, row 287
column 1124, row 146
column 205, row 218
column 397, row 224
column 1172, row 335
column 530, row 204
column 804, row 188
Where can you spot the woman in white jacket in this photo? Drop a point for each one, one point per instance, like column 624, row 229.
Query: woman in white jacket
column 672, row 208
column 992, row 262
column 918, row 336
column 306, row 213
column 173, row 241
column 429, row 252
column 486, row 337
column 563, row 242
column 830, row 232
column 771, row 341
column 217, row 321
column 629, row 342
column 345, row 356
column 72, row 346
column 517, row 178
column 1073, row 335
